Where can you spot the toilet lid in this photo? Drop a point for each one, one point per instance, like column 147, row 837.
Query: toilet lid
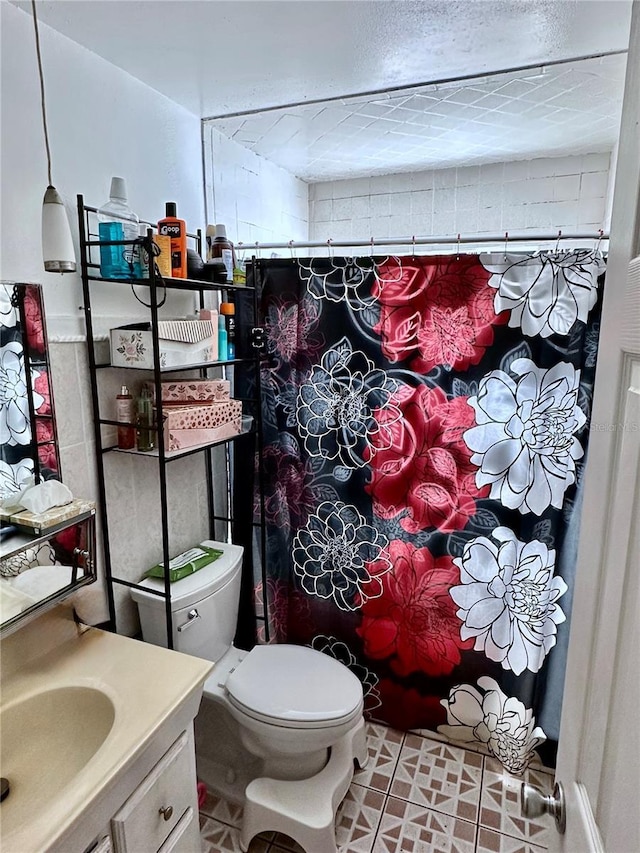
column 294, row 684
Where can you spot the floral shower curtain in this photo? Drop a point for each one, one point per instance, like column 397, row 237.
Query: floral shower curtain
column 425, row 423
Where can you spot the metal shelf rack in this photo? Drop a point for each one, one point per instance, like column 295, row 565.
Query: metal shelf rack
column 248, row 441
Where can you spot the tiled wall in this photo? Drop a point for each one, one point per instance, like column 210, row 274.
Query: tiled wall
column 254, row 198
column 565, row 193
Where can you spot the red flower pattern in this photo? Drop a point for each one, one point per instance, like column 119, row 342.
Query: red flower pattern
column 47, row 452
column 414, row 622
column 426, row 467
column 41, row 386
column 33, row 321
column 406, row 709
column 440, row 307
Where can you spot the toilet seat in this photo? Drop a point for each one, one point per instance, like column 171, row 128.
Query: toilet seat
column 294, row 687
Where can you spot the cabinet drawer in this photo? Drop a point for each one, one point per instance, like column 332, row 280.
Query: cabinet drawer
column 156, row 806
column 185, row 837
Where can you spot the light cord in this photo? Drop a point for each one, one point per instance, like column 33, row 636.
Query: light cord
column 44, row 112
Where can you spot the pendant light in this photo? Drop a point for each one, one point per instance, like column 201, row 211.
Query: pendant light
column 57, row 246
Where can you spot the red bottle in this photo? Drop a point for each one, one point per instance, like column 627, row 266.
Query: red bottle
column 125, row 413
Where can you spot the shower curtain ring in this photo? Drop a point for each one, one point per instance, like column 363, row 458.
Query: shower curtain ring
column 600, row 236
column 258, row 249
column 413, row 246
column 558, row 241
column 293, row 254
column 372, row 247
column 458, row 252
column 506, row 243
column 330, row 249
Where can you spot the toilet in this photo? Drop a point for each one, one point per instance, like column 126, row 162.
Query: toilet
column 269, row 717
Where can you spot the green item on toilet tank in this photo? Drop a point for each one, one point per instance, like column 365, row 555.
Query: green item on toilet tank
column 185, row 564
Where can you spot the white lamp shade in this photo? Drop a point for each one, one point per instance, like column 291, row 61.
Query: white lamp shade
column 57, row 246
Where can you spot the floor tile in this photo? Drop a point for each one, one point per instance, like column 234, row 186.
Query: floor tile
column 219, row 809
column 357, row 819
column 500, row 804
column 408, row 827
column 495, row 842
column 284, row 844
column 384, row 747
column 218, row 837
column 438, row 776
column 356, row 823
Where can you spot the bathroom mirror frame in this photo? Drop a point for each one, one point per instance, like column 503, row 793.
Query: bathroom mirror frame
column 29, row 454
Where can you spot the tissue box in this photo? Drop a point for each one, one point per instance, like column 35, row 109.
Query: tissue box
column 182, row 342
column 212, row 422
column 43, row 521
column 180, row 391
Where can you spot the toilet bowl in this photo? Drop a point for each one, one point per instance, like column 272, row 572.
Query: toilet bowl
column 275, row 711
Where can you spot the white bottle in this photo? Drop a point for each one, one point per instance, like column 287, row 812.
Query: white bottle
column 116, row 221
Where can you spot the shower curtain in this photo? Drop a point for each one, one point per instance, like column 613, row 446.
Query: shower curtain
column 425, row 424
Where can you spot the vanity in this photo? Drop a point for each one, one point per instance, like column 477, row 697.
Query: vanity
column 97, row 741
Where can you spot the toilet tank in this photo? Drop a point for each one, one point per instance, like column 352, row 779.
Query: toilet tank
column 213, row 593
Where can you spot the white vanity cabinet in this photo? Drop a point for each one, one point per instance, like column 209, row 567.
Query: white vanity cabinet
column 153, row 806
column 162, row 813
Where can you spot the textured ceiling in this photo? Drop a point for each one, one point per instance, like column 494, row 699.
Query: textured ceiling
column 221, row 56
column 571, row 108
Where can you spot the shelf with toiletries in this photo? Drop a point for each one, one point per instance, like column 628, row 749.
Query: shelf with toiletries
column 185, row 284
column 43, row 558
column 168, row 351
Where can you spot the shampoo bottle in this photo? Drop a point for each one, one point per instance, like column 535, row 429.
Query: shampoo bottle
column 125, row 414
column 222, row 339
column 144, row 422
column 176, row 229
column 228, row 311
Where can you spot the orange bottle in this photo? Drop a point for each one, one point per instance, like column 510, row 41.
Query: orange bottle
column 176, row 229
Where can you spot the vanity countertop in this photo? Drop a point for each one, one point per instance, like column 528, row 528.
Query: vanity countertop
column 146, row 684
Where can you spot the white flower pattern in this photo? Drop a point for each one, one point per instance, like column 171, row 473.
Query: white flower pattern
column 502, row 724
column 339, row 556
column 524, row 440
column 335, row 407
column 15, row 425
column 507, row 599
column 546, row 292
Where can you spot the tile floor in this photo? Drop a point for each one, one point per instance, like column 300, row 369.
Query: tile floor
column 416, row 795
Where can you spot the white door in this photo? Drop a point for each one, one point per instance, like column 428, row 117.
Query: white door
column 599, row 753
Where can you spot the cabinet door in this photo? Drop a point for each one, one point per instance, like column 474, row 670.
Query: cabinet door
column 153, row 810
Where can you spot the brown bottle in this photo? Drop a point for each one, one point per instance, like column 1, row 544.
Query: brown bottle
column 219, row 246
column 125, row 413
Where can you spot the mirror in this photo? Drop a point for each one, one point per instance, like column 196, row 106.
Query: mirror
column 43, row 557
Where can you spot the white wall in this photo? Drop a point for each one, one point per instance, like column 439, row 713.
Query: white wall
column 101, row 122
column 564, row 193
column 254, row 198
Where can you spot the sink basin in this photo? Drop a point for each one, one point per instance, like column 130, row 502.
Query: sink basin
column 45, row 741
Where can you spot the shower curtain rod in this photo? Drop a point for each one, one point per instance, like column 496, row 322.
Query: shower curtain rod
column 456, row 239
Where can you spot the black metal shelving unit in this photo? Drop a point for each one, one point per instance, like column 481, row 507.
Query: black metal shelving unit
column 247, row 439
